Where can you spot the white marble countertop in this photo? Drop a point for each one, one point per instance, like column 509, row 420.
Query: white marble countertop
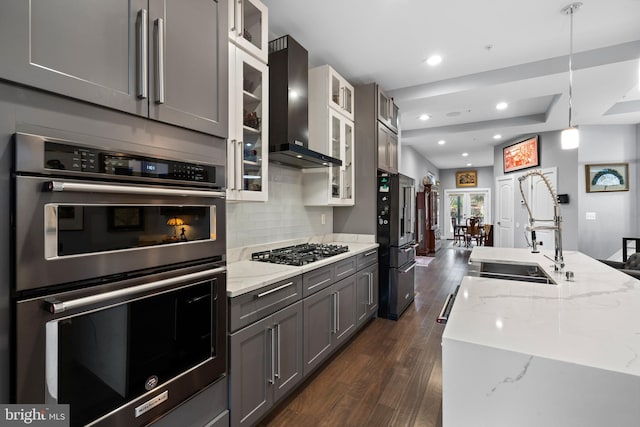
column 592, row 321
column 245, row 275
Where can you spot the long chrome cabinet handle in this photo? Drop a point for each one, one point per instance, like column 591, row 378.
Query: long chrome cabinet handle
column 241, row 13
column 81, row 187
column 55, row 306
column 240, row 170
column 270, row 291
column 235, row 162
column 337, row 311
column 277, row 373
column 370, row 253
column 370, row 276
column 159, row 41
column 272, row 380
column 235, row 14
column 141, row 26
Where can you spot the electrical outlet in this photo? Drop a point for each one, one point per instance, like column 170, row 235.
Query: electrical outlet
column 591, row 216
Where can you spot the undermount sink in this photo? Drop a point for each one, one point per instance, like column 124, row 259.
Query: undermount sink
column 519, row 272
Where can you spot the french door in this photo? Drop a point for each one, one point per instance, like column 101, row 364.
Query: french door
column 463, row 204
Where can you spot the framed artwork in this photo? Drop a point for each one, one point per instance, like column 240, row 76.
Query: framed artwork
column 125, row 218
column 70, row 218
column 467, row 179
column 521, row 155
column 607, row 177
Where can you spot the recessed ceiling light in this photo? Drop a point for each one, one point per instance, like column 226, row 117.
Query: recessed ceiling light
column 442, row 142
column 465, row 154
column 424, row 117
column 502, row 105
column 434, row 60
column 497, row 136
column 469, row 164
column 299, row 156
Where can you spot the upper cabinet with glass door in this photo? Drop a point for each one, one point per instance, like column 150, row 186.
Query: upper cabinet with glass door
column 387, row 111
column 334, row 185
column 248, row 26
column 331, row 132
column 248, row 144
column 338, row 93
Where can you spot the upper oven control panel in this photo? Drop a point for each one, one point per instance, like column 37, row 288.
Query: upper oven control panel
column 81, row 159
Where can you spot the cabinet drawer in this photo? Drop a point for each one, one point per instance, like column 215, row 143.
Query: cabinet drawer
column 367, row 258
column 255, row 305
column 318, row 279
column 345, row 268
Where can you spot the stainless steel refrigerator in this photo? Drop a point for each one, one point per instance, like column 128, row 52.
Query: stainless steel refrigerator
column 396, row 225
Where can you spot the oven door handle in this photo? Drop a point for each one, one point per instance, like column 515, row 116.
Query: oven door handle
column 81, row 187
column 55, row 306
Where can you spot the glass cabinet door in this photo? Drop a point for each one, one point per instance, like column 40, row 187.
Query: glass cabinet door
column 248, row 24
column 252, row 128
column 347, row 162
column 336, row 143
column 340, row 93
column 248, row 155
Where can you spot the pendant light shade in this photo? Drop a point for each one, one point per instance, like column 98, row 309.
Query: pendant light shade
column 570, row 137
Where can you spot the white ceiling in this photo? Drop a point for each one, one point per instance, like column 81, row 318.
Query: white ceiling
column 526, row 65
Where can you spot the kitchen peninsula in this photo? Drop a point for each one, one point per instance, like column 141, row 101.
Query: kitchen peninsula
column 531, row 354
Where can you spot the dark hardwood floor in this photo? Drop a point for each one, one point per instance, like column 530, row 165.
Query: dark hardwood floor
column 390, row 373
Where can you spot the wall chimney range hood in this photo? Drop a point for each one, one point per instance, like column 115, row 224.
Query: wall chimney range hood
column 289, row 108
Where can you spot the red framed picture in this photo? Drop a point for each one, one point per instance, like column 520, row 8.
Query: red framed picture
column 521, row 155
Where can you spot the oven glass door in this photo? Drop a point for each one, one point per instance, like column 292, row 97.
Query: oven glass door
column 99, row 360
column 81, row 229
column 104, row 230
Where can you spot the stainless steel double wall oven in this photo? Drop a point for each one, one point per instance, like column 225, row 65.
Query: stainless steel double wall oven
column 119, row 279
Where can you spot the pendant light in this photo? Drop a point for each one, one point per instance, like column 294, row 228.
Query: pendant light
column 570, row 137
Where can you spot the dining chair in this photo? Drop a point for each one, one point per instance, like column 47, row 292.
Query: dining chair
column 458, row 232
column 472, row 231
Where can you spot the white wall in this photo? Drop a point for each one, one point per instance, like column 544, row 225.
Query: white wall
column 616, row 212
column 414, row 165
column 551, row 155
column 283, row 217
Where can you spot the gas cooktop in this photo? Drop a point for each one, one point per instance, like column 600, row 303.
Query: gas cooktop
column 299, row 254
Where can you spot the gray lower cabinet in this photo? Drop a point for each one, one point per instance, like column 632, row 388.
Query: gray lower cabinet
column 265, row 363
column 329, row 319
column 152, row 58
column 367, row 293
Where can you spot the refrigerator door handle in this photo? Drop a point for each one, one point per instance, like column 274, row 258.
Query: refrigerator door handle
column 411, row 267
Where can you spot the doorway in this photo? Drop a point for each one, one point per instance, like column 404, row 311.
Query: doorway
column 463, row 204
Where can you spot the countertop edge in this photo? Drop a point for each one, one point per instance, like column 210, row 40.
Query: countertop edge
column 283, row 272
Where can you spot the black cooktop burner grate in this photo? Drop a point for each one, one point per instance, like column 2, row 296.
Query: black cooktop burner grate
column 299, row 254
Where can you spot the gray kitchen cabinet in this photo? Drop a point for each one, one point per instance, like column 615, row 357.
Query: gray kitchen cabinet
column 387, row 149
column 318, row 328
column 345, row 308
column 367, row 293
column 153, row 58
column 265, row 363
column 329, row 319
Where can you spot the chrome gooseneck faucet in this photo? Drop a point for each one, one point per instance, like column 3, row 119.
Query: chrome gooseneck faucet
column 558, row 260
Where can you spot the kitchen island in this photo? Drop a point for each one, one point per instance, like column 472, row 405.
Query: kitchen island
column 528, row 354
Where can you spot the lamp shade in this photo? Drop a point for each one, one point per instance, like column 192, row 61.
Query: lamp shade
column 570, row 138
column 175, row 221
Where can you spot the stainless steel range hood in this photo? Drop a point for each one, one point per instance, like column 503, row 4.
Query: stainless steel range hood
column 289, row 107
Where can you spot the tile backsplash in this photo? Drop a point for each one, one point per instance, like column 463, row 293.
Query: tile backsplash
column 282, row 217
